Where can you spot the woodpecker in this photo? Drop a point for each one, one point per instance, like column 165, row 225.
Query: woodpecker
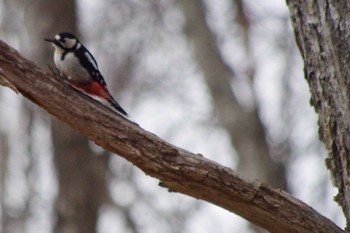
column 77, row 63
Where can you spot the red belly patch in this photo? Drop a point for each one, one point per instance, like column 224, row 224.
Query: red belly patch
column 94, row 89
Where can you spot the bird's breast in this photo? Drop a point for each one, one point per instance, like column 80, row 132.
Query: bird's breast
column 71, row 67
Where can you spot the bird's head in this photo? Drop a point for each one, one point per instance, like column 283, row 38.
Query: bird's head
column 65, row 41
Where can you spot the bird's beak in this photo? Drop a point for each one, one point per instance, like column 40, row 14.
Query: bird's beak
column 50, row 40
column 54, row 42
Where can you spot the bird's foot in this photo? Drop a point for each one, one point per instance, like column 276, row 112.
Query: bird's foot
column 54, row 71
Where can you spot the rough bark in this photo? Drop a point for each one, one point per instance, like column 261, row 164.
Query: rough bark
column 322, row 34
column 177, row 169
column 244, row 127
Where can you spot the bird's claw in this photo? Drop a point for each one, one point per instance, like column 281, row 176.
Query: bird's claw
column 55, row 71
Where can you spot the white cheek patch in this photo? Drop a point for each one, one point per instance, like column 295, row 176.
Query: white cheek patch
column 70, row 43
column 57, row 37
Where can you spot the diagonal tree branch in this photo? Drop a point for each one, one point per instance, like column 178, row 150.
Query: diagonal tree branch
column 179, row 170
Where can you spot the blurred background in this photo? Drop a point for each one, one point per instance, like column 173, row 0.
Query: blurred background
column 222, row 78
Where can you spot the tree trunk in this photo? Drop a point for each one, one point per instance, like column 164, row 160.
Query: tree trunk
column 244, row 127
column 81, row 177
column 80, row 172
column 322, row 34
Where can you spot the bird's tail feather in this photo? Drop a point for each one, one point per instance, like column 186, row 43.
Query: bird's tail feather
column 115, row 105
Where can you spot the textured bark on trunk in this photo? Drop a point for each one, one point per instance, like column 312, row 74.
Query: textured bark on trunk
column 177, row 169
column 322, row 34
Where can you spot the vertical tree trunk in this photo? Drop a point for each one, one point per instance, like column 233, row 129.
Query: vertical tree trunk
column 322, row 34
column 80, row 172
column 244, row 127
column 81, row 176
